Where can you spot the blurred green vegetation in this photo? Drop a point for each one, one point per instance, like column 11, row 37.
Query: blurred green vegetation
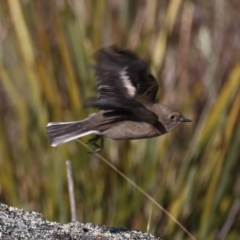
column 194, row 172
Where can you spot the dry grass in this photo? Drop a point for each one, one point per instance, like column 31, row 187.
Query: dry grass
column 193, row 50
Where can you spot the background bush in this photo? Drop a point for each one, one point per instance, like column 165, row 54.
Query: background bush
column 193, row 48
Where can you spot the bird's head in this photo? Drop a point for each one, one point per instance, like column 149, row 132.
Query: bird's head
column 169, row 116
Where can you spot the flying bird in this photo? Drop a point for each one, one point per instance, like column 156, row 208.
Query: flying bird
column 126, row 92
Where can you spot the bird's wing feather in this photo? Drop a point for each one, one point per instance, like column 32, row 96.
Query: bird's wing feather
column 120, row 72
column 121, row 109
column 124, row 85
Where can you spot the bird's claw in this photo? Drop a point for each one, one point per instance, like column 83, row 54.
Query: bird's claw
column 93, row 142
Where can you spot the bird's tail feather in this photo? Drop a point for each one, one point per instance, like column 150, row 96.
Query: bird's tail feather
column 62, row 132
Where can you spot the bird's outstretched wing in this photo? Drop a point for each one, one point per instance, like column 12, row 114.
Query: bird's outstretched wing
column 120, row 72
column 124, row 82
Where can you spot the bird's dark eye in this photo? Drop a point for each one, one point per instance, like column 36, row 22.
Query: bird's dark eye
column 172, row 117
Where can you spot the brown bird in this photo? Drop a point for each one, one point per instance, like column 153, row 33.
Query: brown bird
column 126, row 99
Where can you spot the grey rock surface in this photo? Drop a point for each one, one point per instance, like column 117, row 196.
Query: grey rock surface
column 20, row 224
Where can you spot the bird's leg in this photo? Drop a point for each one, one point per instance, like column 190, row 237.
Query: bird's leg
column 93, row 141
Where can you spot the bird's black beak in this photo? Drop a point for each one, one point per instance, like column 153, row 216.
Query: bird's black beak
column 185, row 120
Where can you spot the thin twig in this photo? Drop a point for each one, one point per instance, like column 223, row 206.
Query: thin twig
column 141, row 190
column 149, row 219
column 134, row 35
column 71, row 191
column 229, row 221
